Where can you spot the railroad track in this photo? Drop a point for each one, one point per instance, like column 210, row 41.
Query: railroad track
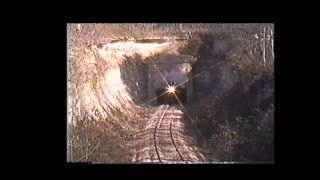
column 164, row 141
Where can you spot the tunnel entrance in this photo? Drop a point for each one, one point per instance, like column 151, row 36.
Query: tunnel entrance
column 170, row 68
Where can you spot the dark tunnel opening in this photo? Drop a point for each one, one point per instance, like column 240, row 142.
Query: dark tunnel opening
column 147, row 79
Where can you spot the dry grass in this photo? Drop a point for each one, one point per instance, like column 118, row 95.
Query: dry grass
column 147, row 30
column 137, row 30
column 97, row 142
column 106, row 140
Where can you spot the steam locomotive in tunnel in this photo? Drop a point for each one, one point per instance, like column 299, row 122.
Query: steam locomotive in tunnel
column 172, row 94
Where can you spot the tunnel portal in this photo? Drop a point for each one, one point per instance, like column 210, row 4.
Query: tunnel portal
column 170, row 68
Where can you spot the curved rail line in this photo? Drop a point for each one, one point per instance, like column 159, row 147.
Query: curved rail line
column 155, row 132
column 171, row 135
column 164, row 116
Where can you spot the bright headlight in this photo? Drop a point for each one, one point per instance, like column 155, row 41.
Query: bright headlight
column 171, row 89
